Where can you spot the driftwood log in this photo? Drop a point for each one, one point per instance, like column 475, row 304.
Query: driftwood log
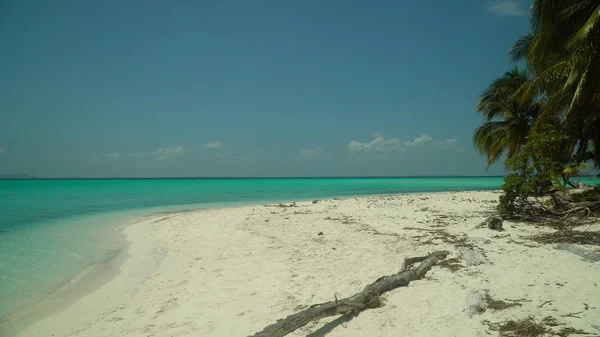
column 366, row 299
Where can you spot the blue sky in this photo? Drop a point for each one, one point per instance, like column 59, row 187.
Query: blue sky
column 248, row 88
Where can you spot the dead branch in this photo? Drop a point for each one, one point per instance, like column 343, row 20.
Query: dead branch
column 587, row 207
column 366, row 299
column 571, row 211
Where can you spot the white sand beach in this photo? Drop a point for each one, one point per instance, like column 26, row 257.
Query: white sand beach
column 233, row 271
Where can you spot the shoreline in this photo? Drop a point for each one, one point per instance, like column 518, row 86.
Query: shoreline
column 180, row 262
column 90, row 278
column 97, row 273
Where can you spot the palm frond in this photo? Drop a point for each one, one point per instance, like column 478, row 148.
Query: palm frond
column 572, row 9
column 519, row 49
column 583, row 34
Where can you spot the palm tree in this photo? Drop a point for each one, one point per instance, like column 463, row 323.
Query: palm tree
column 509, row 116
column 563, row 52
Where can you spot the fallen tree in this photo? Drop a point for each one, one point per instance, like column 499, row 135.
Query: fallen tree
column 366, row 299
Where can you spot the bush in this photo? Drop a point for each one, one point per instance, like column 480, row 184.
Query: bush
column 517, row 188
column 532, row 174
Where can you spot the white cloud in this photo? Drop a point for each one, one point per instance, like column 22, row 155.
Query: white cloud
column 218, row 150
column 160, row 153
column 379, row 144
column 167, row 152
column 115, row 155
column 421, row 140
column 506, row 8
column 310, row 153
column 214, row 145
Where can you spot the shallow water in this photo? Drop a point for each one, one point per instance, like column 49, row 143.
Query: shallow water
column 51, row 230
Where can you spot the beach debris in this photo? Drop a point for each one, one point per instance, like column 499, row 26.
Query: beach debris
column 476, row 303
column 367, row 299
column 472, row 257
column 281, row 205
column 579, row 251
column 320, row 233
column 479, row 301
column 424, row 209
column 315, row 201
column 568, row 235
column 443, row 236
column 528, row 327
column 453, row 264
column 493, row 223
column 497, row 305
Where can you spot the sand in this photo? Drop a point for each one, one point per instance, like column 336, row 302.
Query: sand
column 232, row 271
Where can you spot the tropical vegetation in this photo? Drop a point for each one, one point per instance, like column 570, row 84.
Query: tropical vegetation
column 544, row 116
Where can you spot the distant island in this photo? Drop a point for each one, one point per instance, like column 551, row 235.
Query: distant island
column 16, row 176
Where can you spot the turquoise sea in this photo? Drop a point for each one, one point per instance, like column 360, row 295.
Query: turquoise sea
column 50, row 230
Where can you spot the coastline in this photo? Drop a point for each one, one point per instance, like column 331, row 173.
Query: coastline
column 78, row 283
column 196, row 271
column 89, row 278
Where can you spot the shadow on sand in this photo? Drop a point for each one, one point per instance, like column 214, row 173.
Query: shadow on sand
column 327, row 328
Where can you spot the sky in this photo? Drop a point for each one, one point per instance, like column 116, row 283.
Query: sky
column 110, row 88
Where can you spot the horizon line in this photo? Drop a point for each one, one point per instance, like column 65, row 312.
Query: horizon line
column 248, row 177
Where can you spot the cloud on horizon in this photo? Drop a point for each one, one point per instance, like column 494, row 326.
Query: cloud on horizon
column 381, row 145
column 160, row 153
column 377, row 148
column 218, row 150
column 214, row 145
column 310, row 153
column 115, row 155
column 506, row 8
column 421, row 140
column 163, row 153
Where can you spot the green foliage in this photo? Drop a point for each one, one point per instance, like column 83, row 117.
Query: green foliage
column 513, row 201
column 546, row 118
column 508, row 118
column 532, row 174
column 525, row 181
column 563, row 52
